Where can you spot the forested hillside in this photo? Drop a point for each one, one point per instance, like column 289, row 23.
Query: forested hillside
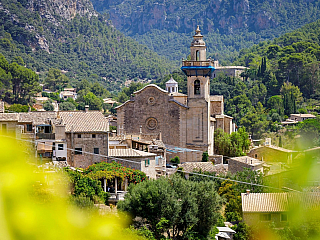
column 228, row 25
column 71, row 36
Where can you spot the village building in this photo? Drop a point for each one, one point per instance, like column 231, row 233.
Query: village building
column 204, row 167
column 271, row 153
column 301, row 117
column 224, row 233
column 86, row 133
column 184, row 121
column 231, row 71
column 238, row 164
column 68, row 93
column 140, row 160
column 264, row 208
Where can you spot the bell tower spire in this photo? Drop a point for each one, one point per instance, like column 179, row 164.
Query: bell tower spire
column 198, row 47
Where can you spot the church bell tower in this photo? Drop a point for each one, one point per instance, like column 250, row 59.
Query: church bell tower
column 199, row 131
column 198, row 69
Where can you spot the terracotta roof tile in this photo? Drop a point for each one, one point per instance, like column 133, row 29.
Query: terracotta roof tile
column 129, row 152
column 91, row 121
column 264, row 202
column 9, row 116
column 203, row 166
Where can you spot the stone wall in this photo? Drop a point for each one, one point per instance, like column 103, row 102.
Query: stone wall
column 216, row 159
column 253, row 219
column 153, row 111
column 237, row 166
column 139, row 164
column 271, row 155
column 87, row 143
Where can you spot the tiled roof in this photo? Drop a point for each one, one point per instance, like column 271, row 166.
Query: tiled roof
column 151, row 85
column 248, row 160
column 1, row 107
column 308, row 115
column 171, row 80
column 129, row 152
column 177, row 94
column 179, row 103
column 203, row 166
column 9, row 117
column 264, row 202
column 91, row 121
column 37, row 118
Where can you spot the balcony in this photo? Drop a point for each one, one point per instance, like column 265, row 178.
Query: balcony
column 197, row 68
column 45, row 136
column 196, row 63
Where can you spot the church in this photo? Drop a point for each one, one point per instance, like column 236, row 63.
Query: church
column 183, row 121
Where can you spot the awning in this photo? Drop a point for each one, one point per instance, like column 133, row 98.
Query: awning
column 44, row 147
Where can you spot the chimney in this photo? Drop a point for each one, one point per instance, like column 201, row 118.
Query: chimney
column 86, row 108
column 247, row 191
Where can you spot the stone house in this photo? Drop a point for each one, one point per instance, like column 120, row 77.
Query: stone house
column 301, row 117
column 209, row 167
column 237, row 164
column 143, row 161
column 87, row 133
column 232, row 71
column 264, row 208
column 184, row 121
column 270, row 153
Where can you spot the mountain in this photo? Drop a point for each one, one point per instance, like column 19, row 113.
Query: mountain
column 228, row 25
column 70, row 35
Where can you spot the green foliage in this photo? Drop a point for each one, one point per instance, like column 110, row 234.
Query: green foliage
column 309, row 130
column 205, row 156
column 47, row 105
column 66, row 106
column 242, row 231
column 85, row 47
column 175, row 160
column 174, row 203
column 111, row 170
column 126, row 92
column 55, row 80
column 18, row 108
column 232, row 145
column 42, row 208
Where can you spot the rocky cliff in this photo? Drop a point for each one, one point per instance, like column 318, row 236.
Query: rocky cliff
column 182, row 16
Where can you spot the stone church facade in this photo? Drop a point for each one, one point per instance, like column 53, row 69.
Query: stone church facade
column 183, row 121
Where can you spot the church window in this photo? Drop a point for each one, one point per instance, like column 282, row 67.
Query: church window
column 197, row 55
column 197, row 87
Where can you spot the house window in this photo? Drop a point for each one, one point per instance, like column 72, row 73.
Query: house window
column 265, row 217
column 78, row 151
column 197, row 87
column 96, row 150
column 79, row 135
column 147, row 162
column 4, row 128
column 93, row 136
column 29, row 127
column 284, row 217
column 60, row 146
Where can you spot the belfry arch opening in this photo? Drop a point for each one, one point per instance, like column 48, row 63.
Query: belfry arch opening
column 197, row 55
column 197, row 87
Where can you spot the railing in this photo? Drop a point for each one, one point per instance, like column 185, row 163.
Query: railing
column 27, row 135
column 45, row 136
column 196, row 63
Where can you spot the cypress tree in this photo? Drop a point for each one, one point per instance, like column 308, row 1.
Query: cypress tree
column 280, row 141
